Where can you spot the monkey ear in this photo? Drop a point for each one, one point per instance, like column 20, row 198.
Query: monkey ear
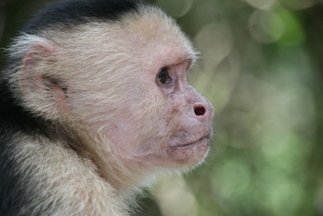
column 35, row 66
column 36, row 77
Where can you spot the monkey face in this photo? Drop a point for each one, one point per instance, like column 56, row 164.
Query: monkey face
column 165, row 122
column 190, row 116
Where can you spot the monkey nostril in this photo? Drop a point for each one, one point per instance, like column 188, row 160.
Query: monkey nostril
column 199, row 110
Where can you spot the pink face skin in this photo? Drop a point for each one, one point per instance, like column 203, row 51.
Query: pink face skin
column 179, row 118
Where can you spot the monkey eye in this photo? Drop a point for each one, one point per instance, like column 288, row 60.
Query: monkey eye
column 164, row 77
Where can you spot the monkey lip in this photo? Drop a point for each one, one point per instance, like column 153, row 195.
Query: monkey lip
column 188, row 145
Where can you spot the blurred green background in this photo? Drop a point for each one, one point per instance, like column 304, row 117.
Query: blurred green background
column 262, row 67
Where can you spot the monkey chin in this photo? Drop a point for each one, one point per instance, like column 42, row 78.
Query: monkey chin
column 190, row 154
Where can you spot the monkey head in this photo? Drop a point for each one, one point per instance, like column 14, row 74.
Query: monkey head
column 126, row 81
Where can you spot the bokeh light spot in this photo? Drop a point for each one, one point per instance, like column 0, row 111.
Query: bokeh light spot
column 266, row 27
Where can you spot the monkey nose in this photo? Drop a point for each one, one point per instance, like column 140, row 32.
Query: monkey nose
column 203, row 111
column 199, row 109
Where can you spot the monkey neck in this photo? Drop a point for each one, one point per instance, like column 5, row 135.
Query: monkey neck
column 87, row 144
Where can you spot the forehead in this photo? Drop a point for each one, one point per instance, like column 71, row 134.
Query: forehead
column 146, row 34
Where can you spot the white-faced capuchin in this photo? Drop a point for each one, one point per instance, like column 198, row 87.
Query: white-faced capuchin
column 94, row 105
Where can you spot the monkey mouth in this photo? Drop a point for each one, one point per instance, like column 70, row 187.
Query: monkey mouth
column 191, row 144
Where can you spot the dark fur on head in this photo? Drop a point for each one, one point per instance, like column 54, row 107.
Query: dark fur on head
column 68, row 13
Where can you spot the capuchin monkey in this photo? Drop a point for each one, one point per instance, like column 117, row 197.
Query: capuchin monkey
column 94, row 105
